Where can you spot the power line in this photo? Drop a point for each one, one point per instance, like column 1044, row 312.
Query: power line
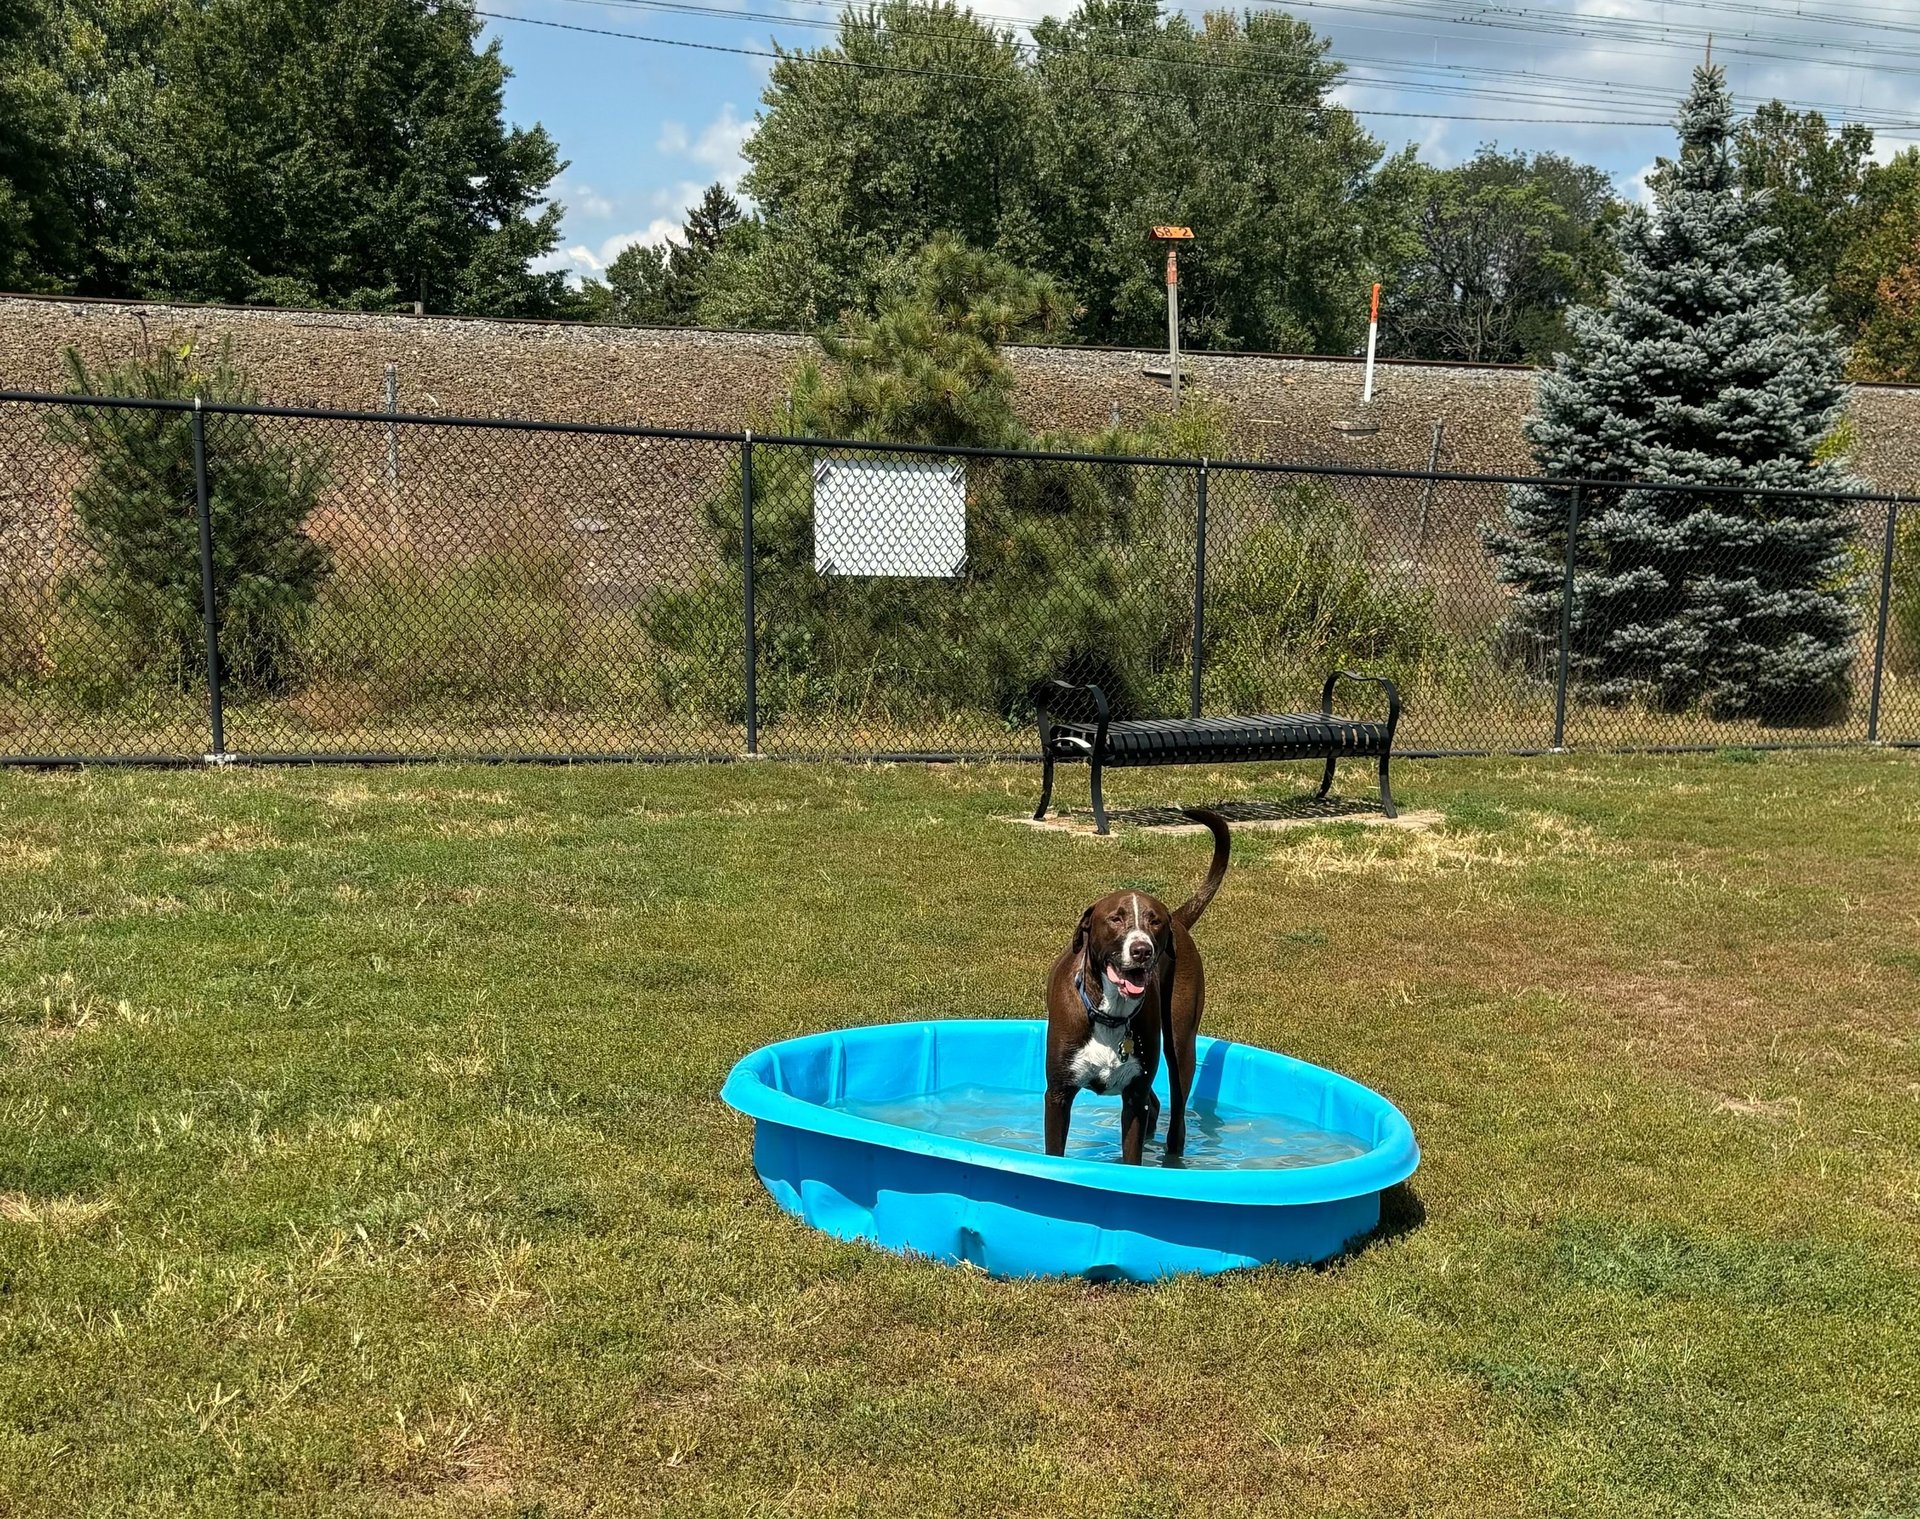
column 1826, row 16
column 1626, row 30
column 886, row 68
column 1529, row 87
column 1486, row 25
column 1027, row 24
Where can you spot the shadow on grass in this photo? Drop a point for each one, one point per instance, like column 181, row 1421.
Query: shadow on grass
column 1298, row 809
column 1401, row 1212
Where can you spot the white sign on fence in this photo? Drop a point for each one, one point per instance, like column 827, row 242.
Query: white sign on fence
column 889, row 517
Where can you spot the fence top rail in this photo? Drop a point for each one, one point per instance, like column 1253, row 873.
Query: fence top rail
column 1055, row 456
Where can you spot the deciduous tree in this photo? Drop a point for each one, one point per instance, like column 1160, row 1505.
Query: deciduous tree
column 343, row 153
column 304, row 152
column 1503, row 246
column 1876, row 295
column 38, row 237
column 1812, row 177
column 1227, row 126
column 918, row 121
column 1059, row 155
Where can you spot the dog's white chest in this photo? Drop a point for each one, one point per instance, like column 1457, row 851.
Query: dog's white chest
column 1103, row 1063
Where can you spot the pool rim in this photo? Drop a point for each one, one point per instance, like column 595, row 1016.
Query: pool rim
column 1393, row 1157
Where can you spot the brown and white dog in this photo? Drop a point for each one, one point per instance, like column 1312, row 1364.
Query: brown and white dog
column 1130, row 981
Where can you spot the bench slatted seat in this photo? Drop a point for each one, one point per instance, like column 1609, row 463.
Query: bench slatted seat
column 1100, row 742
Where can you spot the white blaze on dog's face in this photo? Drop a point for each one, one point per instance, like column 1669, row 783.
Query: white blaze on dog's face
column 1123, row 934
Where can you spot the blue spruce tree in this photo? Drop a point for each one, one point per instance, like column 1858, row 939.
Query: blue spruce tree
column 1705, row 367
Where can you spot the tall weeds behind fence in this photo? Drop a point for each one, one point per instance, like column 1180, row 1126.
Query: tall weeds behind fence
column 391, row 586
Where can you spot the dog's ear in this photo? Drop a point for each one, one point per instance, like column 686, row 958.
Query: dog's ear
column 1080, row 933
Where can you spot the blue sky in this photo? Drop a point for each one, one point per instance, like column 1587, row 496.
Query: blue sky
column 648, row 126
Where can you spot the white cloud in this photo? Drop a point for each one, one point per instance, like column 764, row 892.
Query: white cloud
column 584, row 200
column 656, row 232
column 1433, row 147
column 1622, row 64
column 583, row 261
column 720, row 141
column 679, row 197
column 716, row 148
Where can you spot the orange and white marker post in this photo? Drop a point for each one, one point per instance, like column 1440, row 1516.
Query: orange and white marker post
column 1173, row 237
column 1173, row 320
column 1373, row 339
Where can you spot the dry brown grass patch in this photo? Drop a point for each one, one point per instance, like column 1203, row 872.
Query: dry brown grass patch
column 1405, row 858
column 52, row 1215
column 19, row 854
column 230, row 838
column 453, row 1457
column 1778, row 1109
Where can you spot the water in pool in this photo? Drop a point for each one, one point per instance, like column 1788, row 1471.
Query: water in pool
column 1218, row 1138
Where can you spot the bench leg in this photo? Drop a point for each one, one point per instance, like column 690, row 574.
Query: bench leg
column 1386, row 790
column 1099, row 802
column 1046, row 788
column 1326, row 781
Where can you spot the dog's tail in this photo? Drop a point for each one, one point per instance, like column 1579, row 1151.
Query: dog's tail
column 1188, row 912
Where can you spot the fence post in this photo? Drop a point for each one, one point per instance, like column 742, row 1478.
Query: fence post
column 1566, row 623
column 746, row 574
column 1880, row 637
column 390, row 403
column 209, row 617
column 1199, row 589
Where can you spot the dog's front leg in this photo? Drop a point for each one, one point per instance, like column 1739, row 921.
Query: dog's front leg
column 1059, row 1110
column 1139, row 1116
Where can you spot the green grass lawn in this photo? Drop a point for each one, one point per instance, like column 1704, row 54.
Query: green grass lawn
column 360, row 1153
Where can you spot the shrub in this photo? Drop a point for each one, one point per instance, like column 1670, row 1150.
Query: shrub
column 1081, row 570
column 136, row 510
column 1295, row 597
column 1905, row 614
column 23, row 633
column 502, row 627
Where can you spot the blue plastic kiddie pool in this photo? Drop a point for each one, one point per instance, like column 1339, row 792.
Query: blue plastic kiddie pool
column 924, row 1138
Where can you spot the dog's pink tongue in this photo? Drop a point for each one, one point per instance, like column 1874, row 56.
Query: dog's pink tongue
column 1131, row 988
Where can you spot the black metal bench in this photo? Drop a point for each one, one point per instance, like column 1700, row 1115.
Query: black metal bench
column 1103, row 743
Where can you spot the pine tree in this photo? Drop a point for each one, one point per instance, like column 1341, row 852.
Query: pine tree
column 717, row 214
column 651, row 286
column 1706, row 366
column 135, row 510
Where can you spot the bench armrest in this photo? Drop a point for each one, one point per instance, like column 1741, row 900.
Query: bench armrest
column 1393, row 696
column 1101, row 713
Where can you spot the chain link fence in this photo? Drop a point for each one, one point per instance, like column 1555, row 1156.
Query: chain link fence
column 258, row 583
